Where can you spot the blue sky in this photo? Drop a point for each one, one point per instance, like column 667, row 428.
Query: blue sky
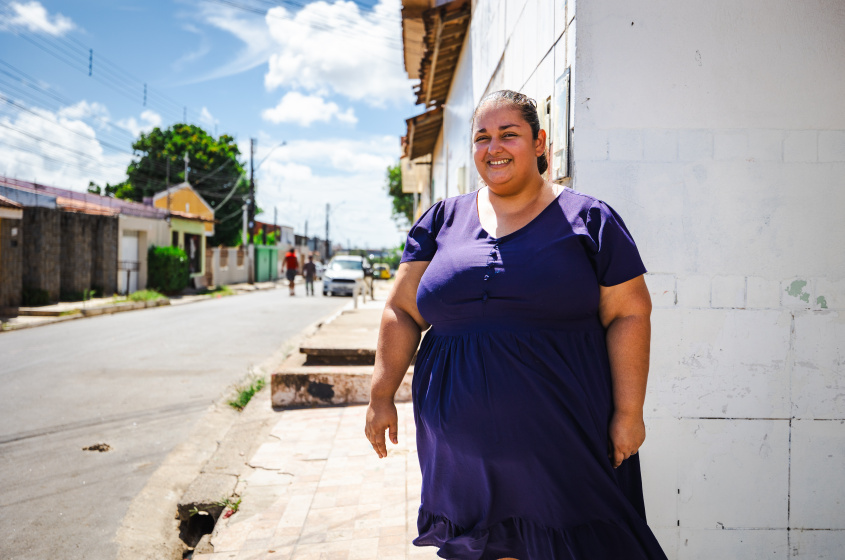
column 324, row 77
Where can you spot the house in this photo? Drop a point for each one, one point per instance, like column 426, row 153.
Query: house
column 191, row 222
column 76, row 242
column 11, row 217
column 717, row 130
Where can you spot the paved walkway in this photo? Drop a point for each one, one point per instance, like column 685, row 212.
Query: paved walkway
column 317, row 491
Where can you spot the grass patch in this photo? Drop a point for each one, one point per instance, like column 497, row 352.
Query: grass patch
column 245, row 392
column 67, row 312
column 146, row 295
column 140, row 295
column 222, row 291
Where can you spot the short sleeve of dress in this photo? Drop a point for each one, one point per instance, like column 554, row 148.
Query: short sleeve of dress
column 422, row 239
column 615, row 255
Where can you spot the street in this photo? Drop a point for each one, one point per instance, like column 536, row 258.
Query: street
column 137, row 381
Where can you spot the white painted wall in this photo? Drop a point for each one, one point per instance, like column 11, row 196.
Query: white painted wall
column 231, row 273
column 150, row 232
column 718, row 131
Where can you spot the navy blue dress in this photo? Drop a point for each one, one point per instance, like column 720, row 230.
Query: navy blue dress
column 512, row 387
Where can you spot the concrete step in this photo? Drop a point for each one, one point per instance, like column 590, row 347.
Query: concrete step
column 299, row 384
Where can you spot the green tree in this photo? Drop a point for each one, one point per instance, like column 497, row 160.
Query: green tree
column 215, row 172
column 403, row 203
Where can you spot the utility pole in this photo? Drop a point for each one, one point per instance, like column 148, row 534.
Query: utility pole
column 186, row 159
column 306, row 236
column 328, row 245
column 275, row 224
column 251, row 202
column 167, row 186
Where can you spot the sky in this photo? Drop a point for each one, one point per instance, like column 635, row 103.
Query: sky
column 320, row 85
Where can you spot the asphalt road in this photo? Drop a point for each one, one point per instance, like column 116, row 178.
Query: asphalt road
column 137, row 381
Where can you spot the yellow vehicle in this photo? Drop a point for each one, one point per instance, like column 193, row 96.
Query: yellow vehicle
column 382, row 271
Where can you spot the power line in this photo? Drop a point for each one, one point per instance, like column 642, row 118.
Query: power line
column 117, row 79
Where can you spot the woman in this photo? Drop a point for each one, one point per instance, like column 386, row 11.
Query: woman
column 529, row 387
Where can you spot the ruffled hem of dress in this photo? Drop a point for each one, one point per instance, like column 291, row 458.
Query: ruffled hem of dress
column 529, row 540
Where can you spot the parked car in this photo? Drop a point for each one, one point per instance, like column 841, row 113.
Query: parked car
column 381, row 270
column 343, row 272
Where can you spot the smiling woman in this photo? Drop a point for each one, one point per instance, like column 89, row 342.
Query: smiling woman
column 529, row 386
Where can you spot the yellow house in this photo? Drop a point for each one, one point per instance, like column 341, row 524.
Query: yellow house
column 191, row 221
column 183, row 198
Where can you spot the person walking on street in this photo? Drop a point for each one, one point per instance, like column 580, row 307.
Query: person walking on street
column 291, row 267
column 309, row 272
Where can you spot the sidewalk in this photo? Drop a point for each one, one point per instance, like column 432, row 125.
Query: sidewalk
column 70, row 310
column 316, row 490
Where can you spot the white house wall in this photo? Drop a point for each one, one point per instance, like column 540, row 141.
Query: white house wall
column 150, row 232
column 717, row 130
column 513, row 44
column 452, row 152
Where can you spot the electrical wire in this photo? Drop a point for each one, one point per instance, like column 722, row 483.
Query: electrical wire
column 118, row 80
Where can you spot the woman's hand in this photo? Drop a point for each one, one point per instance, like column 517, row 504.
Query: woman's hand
column 381, row 416
column 625, row 436
column 398, row 338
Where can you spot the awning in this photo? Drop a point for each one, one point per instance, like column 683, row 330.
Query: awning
column 413, row 33
column 445, row 29
column 423, row 131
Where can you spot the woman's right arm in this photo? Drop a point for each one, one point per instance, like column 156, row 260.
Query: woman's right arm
column 399, row 336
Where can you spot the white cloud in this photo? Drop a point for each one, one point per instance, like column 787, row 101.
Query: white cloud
column 252, row 32
column 84, row 110
column 58, row 148
column 340, row 48
column 34, row 17
column 301, row 177
column 306, row 109
column 203, row 49
column 207, row 118
column 150, row 119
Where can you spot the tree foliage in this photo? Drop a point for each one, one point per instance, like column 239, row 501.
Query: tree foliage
column 403, row 203
column 214, row 171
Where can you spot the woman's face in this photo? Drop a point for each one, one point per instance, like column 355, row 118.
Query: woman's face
column 504, row 151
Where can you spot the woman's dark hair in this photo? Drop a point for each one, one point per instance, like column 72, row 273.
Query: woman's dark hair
column 527, row 107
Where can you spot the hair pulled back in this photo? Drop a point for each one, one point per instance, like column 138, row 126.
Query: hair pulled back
column 527, row 107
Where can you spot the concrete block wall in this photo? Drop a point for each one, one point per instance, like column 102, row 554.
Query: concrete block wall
column 77, row 258
column 727, row 164
column 11, row 262
column 717, row 130
column 104, row 255
column 41, row 251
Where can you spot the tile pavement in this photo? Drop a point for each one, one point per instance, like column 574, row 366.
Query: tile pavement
column 317, row 491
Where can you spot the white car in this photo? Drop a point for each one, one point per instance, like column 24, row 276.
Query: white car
column 343, row 272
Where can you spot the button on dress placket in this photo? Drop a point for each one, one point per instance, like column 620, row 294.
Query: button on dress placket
column 491, row 264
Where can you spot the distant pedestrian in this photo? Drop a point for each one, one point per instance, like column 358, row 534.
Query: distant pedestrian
column 309, row 272
column 291, row 267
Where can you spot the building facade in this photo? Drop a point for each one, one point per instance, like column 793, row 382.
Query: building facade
column 717, row 131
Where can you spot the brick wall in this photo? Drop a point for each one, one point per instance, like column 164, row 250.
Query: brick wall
column 41, row 250
column 11, row 251
column 77, row 259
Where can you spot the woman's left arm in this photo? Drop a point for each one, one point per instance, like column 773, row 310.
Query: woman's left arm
column 625, row 311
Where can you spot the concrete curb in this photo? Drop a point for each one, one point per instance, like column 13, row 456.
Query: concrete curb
column 202, row 470
column 82, row 313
